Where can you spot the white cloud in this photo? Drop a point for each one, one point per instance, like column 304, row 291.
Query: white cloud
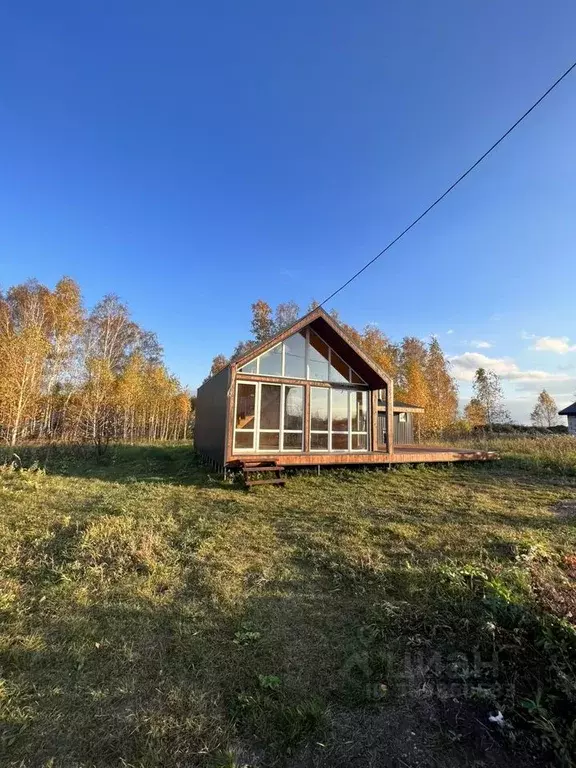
column 481, row 344
column 451, row 330
column 560, row 345
column 465, row 366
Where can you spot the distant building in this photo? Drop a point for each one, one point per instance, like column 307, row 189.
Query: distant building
column 571, row 413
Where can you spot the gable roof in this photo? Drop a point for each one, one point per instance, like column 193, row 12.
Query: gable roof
column 569, row 411
column 335, row 336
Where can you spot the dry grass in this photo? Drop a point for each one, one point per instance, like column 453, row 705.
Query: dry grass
column 153, row 615
column 550, row 454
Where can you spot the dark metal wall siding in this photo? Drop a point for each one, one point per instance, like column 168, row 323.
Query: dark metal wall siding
column 403, row 430
column 211, row 412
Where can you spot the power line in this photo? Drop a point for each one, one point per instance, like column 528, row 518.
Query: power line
column 455, row 184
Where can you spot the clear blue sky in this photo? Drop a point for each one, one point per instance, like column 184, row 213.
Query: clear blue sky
column 194, row 157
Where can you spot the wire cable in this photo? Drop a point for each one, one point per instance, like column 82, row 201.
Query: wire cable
column 452, row 186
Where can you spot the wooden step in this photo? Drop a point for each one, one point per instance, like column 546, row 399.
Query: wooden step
column 274, row 468
column 250, row 467
column 268, row 481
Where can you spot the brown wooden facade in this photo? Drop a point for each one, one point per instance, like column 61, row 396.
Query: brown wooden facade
column 216, row 407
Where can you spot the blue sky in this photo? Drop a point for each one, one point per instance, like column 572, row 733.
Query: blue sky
column 195, row 157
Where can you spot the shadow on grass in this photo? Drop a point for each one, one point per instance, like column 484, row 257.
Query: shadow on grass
column 111, row 665
column 176, row 464
column 284, row 681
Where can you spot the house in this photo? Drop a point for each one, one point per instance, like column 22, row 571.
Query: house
column 571, row 413
column 308, row 396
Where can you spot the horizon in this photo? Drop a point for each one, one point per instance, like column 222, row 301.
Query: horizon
column 214, row 157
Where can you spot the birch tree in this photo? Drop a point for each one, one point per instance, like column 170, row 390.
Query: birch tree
column 443, row 392
column 488, row 392
column 545, row 413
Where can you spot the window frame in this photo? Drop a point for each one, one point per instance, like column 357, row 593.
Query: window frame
column 245, row 431
column 257, row 430
column 282, row 375
column 350, row 432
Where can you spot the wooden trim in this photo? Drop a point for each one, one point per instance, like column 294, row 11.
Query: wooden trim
column 390, row 417
column 254, row 377
column 374, row 420
column 306, row 424
column 403, row 455
column 231, row 396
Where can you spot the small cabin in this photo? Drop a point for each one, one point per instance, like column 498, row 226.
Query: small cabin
column 570, row 412
column 404, row 422
column 308, row 396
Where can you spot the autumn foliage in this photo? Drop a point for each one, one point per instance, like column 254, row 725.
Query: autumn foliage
column 72, row 375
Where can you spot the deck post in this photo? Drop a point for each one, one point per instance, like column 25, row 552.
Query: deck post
column 390, row 418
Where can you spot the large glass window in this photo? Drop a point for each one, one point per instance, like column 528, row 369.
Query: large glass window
column 269, row 417
column 359, row 420
column 293, row 423
column 245, row 416
column 340, row 410
column 245, row 406
column 303, row 356
column 251, row 367
column 319, row 399
column 339, row 370
column 295, row 356
column 319, row 441
column 293, row 408
column 338, row 419
column 269, row 429
column 271, row 362
column 270, row 396
column 318, row 353
column 359, row 411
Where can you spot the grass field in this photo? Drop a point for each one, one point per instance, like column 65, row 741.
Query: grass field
column 152, row 615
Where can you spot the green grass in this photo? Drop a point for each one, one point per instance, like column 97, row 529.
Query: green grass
column 152, row 615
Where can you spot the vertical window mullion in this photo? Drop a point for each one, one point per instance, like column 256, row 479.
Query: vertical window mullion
column 329, row 418
column 349, row 420
column 257, row 417
column 306, row 355
column 282, row 408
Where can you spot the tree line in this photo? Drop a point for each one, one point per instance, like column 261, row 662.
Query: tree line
column 69, row 374
column 76, row 375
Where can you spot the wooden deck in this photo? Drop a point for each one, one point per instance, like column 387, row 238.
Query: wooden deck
column 403, row 454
